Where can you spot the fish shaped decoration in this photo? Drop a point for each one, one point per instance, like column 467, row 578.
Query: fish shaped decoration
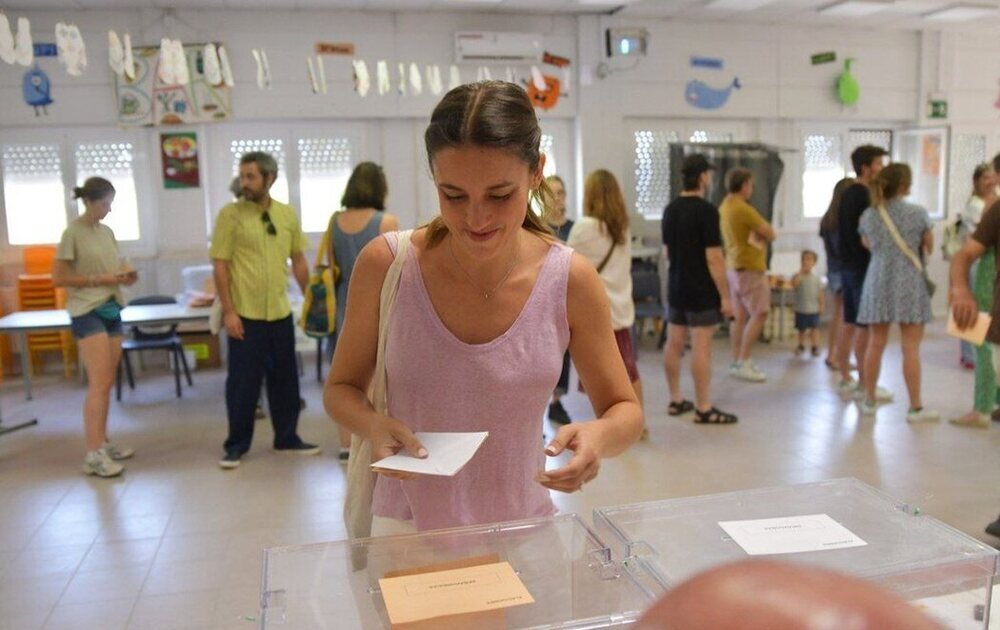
column 848, row 88
column 37, row 90
column 704, row 96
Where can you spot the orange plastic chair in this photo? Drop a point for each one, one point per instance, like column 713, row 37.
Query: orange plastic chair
column 36, row 292
column 38, row 259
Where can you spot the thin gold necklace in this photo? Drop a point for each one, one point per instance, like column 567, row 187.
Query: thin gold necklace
column 486, row 294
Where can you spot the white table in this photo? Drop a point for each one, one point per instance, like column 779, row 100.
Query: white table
column 23, row 322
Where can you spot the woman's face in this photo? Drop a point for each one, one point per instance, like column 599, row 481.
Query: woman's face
column 100, row 207
column 483, row 193
column 985, row 183
column 559, row 195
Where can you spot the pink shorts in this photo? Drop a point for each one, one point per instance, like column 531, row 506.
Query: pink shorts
column 750, row 291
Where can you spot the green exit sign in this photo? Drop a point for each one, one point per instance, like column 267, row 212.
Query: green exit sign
column 937, row 109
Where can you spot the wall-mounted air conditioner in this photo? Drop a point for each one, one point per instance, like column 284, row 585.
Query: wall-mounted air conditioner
column 483, row 47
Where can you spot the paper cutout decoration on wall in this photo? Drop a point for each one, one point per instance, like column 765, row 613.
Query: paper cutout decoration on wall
column 116, row 54
column 703, row 96
column 224, row 67
column 382, row 76
column 7, row 49
column 37, row 90
column 317, row 75
column 362, row 80
column 263, row 68
column 172, row 68
column 555, row 60
column 544, row 98
column 179, row 154
column 72, row 50
column 401, row 79
column 210, row 64
column 434, row 83
column 313, row 83
column 24, row 49
column 454, row 77
column 147, row 101
column 848, row 88
column 483, row 74
column 129, row 63
column 537, row 79
column 416, row 83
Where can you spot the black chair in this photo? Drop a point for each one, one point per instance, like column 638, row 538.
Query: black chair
column 646, row 294
column 162, row 337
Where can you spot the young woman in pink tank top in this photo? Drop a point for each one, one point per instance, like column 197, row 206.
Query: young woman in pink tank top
column 488, row 302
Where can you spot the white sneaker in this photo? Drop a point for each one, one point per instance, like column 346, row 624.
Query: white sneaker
column 749, row 372
column 849, row 387
column 972, row 419
column 882, row 394
column 118, row 451
column 100, row 463
column 734, row 368
column 867, row 409
column 922, row 415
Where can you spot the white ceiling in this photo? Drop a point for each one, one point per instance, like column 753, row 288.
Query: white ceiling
column 905, row 14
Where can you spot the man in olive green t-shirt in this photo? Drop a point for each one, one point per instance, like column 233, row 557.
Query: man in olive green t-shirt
column 746, row 235
column 253, row 239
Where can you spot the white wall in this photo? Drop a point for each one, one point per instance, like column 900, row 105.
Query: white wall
column 782, row 92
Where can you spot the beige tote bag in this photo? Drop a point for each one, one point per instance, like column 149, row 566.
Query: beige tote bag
column 360, row 478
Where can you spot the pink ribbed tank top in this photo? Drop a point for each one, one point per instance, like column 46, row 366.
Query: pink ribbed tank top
column 438, row 383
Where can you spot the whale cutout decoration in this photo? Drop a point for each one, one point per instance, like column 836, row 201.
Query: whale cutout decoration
column 704, row 96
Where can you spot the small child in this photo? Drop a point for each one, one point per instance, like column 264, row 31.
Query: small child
column 808, row 303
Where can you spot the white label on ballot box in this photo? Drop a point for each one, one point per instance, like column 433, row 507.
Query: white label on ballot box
column 793, row 534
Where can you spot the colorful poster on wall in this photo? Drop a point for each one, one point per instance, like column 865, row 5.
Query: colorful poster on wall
column 179, row 152
column 146, row 101
column 931, row 155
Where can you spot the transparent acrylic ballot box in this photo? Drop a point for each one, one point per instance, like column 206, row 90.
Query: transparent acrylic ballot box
column 567, row 570
column 940, row 570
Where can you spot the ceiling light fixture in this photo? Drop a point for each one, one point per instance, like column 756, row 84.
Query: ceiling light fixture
column 855, row 8
column 962, row 13
column 737, row 5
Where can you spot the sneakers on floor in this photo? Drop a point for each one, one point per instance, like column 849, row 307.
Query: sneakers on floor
column 118, row 452
column 302, row 448
column 882, row 394
column 972, row 419
column 558, row 414
column 849, row 387
column 99, row 463
column 747, row 371
column 231, row 459
column 922, row 414
column 866, row 408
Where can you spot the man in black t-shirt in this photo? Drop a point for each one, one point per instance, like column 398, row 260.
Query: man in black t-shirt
column 867, row 160
column 697, row 293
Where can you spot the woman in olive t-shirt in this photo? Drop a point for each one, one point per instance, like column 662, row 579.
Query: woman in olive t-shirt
column 88, row 265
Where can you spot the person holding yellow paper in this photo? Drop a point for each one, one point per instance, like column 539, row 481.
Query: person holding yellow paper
column 487, row 304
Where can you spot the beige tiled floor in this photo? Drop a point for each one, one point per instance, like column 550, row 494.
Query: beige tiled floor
column 176, row 542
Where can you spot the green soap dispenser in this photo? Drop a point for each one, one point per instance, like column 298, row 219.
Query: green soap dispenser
column 848, row 88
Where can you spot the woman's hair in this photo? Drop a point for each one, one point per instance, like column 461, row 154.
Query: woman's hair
column 603, row 200
column 366, row 188
column 890, row 181
column 980, row 170
column 94, row 189
column 491, row 115
column 831, row 219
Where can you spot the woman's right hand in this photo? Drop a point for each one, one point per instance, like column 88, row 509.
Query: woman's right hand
column 389, row 436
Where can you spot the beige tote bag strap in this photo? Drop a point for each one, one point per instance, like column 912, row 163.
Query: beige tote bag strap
column 360, row 478
column 896, row 236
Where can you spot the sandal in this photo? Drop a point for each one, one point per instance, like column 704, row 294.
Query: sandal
column 680, row 408
column 714, row 416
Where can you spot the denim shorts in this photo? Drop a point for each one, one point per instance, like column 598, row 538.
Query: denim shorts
column 806, row 321
column 92, row 324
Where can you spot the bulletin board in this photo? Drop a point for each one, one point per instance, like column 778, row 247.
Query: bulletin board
column 146, row 101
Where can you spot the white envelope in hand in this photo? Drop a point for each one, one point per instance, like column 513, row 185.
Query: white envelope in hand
column 447, row 453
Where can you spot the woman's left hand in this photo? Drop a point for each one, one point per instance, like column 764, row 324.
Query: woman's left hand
column 586, row 441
